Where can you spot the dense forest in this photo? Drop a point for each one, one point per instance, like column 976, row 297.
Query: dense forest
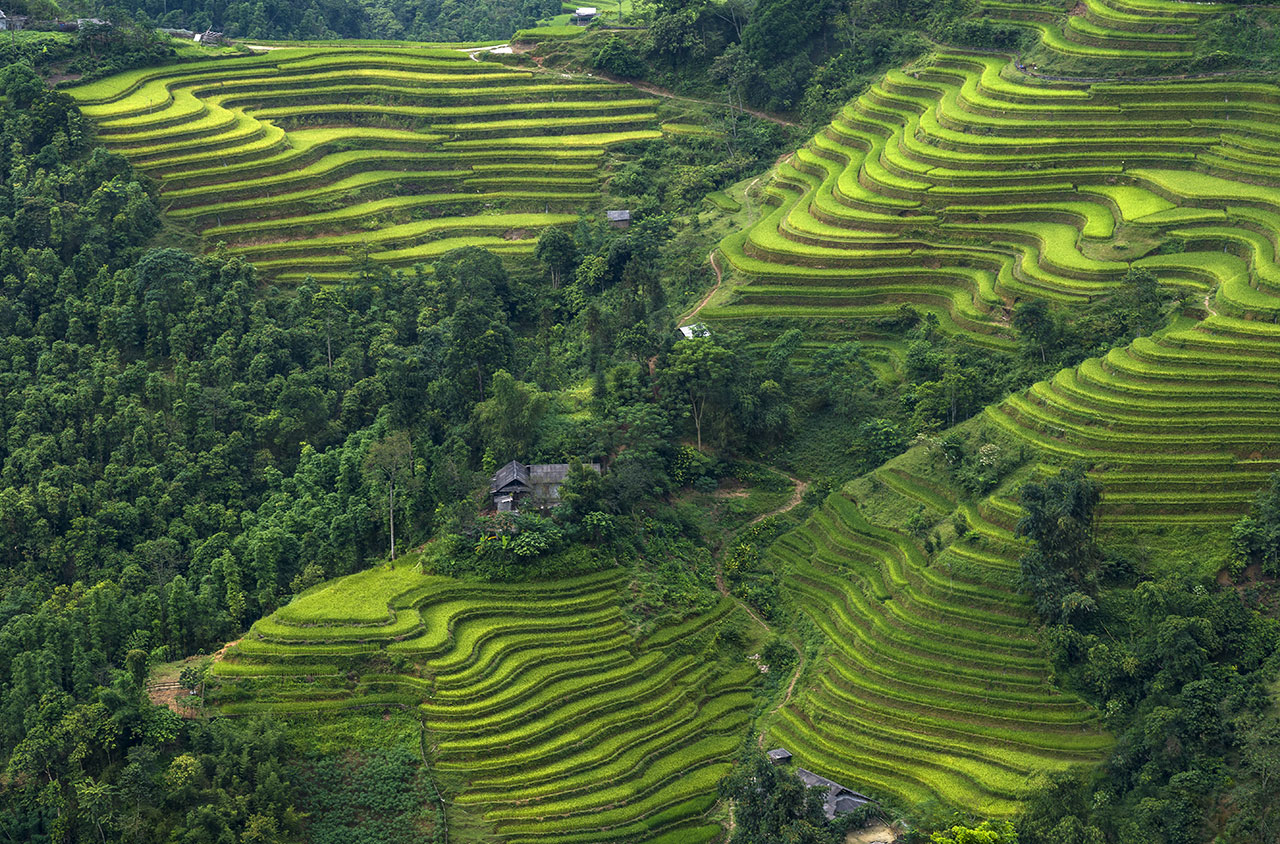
column 187, row 446
column 318, row 20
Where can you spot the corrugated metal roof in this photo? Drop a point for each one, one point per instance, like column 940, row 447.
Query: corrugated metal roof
column 514, row 472
column 839, row 799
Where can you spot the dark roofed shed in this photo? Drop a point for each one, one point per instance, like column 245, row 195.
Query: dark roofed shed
column 538, row 482
column 511, row 478
column 838, row 800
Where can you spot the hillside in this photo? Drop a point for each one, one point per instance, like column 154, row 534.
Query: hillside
column 539, row 702
column 362, row 482
column 1006, row 188
column 311, row 160
column 963, row 186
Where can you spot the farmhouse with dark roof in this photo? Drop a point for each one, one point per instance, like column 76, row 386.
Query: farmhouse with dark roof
column 529, row 484
column 839, row 800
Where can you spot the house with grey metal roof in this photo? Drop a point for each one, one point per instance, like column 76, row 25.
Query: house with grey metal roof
column 530, row 484
column 12, row 22
column 839, row 800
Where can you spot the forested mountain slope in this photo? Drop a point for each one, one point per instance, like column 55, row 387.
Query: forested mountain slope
column 1009, row 315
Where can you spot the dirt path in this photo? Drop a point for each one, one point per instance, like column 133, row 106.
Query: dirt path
column 166, row 689
column 657, row 91
column 222, row 651
column 723, row 589
column 711, row 256
column 1208, row 297
column 799, row 488
column 791, row 687
column 663, row 92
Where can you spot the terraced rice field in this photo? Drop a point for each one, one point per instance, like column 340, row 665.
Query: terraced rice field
column 933, row 685
column 963, row 186
column 1121, row 32
column 301, row 158
column 563, row 724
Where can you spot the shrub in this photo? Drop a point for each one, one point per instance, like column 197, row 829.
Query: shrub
column 705, row 483
column 778, row 654
column 617, row 57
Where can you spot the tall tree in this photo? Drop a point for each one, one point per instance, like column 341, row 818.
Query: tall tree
column 479, row 342
column 390, row 466
column 508, row 420
column 699, row 369
column 1060, row 570
column 557, row 252
column 1035, row 324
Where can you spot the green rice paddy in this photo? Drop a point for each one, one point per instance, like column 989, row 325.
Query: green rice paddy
column 963, row 186
column 557, row 720
column 302, row 156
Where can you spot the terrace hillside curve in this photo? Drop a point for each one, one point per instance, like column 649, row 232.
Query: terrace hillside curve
column 963, row 187
column 306, row 160
column 551, row 718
